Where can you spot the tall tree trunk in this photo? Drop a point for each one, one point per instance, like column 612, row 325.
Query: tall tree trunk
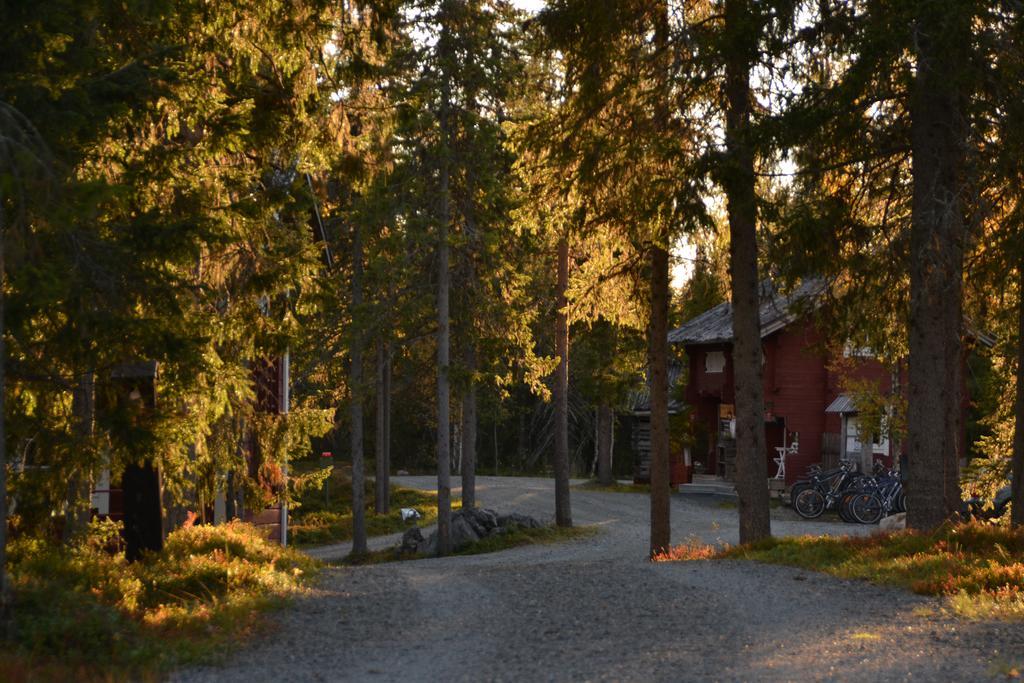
column 953, row 496
column 469, row 354
column 456, row 444
column 738, row 175
column 657, row 324
column 83, row 407
column 444, row 491
column 605, row 425
column 521, row 434
column 657, row 359
column 356, row 400
column 4, row 593
column 444, row 484
column 382, row 491
column 388, row 373
column 469, row 430
column 938, row 141
column 1017, row 497
column 230, row 496
column 867, row 448
column 560, row 462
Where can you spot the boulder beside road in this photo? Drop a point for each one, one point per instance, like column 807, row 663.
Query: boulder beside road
column 468, row 526
column 893, row 522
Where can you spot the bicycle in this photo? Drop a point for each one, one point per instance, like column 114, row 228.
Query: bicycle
column 824, row 490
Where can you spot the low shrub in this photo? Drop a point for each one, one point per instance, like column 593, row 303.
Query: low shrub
column 82, row 612
column 977, row 568
column 693, row 549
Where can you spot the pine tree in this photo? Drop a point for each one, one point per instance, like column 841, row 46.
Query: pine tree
column 938, row 136
column 355, row 388
column 26, row 174
column 742, row 35
column 886, row 172
column 627, row 139
column 177, row 235
column 560, row 459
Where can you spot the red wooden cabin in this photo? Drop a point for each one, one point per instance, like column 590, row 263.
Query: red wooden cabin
column 803, row 392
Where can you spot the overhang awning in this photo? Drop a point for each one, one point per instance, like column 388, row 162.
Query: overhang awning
column 842, row 405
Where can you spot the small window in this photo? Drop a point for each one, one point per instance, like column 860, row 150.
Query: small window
column 851, row 351
column 879, row 441
column 714, row 362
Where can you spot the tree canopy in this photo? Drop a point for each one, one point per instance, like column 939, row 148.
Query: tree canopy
column 470, row 214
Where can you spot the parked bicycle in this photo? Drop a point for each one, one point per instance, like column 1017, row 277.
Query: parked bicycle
column 874, row 497
column 822, row 490
column 857, row 498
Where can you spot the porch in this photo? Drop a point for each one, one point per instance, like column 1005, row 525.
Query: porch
column 710, row 485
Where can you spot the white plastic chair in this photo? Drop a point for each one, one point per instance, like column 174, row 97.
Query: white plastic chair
column 783, row 452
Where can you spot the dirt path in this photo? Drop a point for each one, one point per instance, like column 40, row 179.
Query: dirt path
column 597, row 610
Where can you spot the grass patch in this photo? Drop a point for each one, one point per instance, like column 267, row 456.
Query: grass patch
column 83, row 614
column 317, row 522
column 978, row 569
column 617, row 487
column 513, row 539
column 861, row 635
column 692, row 549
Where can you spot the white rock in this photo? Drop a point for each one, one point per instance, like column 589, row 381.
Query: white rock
column 893, row 522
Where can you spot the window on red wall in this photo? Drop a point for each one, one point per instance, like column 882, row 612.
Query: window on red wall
column 852, row 351
column 714, row 362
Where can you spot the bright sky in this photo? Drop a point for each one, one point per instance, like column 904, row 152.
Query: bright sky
column 683, row 253
column 529, row 5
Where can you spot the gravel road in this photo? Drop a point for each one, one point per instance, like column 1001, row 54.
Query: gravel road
column 595, row 609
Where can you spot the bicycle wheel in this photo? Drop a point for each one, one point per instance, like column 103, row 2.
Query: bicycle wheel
column 866, row 508
column 844, row 508
column 809, row 504
column 795, row 490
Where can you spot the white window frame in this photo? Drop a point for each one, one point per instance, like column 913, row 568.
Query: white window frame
column 879, row 442
column 717, row 366
column 851, row 351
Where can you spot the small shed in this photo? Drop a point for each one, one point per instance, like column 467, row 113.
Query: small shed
column 640, row 433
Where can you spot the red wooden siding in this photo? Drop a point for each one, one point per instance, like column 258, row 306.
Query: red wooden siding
column 799, row 384
column 796, row 390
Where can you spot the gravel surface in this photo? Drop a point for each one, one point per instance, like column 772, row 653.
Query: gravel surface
column 595, row 609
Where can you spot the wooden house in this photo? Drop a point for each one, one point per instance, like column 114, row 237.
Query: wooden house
column 805, row 408
column 272, row 379
column 640, row 434
column 136, row 498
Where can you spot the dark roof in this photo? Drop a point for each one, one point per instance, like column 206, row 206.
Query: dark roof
column 842, row 405
column 640, row 400
column 715, row 326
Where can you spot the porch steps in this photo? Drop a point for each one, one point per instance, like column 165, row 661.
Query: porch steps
column 709, row 485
